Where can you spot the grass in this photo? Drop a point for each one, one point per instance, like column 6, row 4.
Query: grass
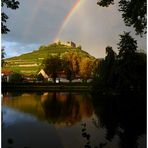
column 37, row 56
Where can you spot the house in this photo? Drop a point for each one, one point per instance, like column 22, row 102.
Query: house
column 5, row 75
column 43, row 73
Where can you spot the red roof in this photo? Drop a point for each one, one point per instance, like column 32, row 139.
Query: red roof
column 6, row 72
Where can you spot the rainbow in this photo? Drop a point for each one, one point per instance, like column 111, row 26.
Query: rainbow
column 68, row 16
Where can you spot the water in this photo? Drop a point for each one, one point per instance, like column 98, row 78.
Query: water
column 71, row 120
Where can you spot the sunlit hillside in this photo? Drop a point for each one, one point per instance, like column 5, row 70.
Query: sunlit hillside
column 30, row 63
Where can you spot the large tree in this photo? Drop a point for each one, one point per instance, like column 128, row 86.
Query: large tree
column 67, row 67
column 73, row 60
column 86, row 68
column 12, row 4
column 133, row 13
column 52, row 66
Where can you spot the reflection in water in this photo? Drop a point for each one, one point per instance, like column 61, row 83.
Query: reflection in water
column 58, row 108
column 66, row 109
column 123, row 116
column 73, row 120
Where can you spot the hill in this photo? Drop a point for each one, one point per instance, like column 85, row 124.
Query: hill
column 30, row 63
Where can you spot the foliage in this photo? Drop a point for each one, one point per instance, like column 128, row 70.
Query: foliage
column 73, row 60
column 123, row 73
column 133, row 13
column 86, row 68
column 104, row 77
column 3, row 56
column 37, row 57
column 105, row 3
column 39, row 77
column 75, row 64
column 68, row 69
column 15, row 77
column 52, row 66
column 127, row 45
column 12, row 4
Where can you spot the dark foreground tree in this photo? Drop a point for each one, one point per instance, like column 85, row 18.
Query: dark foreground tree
column 3, row 56
column 124, row 73
column 127, row 45
column 104, row 80
column 131, row 66
column 133, row 13
column 12, row 4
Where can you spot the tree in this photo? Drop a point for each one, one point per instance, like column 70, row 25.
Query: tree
column 68, row 69
column 3, row 56
column 133, row 13
column 73, row 60
column 39, row 78
column 79, row 47
column 131, row 66
column 15, row 78
column 111, row 55
column 86, row 68
column 12, row 4
column 105, row 80
column 127, row 45
column 52, row 66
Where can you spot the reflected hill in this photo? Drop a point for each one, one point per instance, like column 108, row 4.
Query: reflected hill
column 61, row 109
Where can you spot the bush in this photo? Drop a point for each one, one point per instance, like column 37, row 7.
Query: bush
column 15, row 77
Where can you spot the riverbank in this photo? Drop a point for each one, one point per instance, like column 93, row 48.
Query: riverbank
column 45, row 87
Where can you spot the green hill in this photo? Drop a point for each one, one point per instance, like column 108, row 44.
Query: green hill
column 30, row 63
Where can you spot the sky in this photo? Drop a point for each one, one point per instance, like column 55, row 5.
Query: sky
column 41, row 22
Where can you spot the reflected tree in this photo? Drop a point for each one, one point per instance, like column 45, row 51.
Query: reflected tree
column 122, row 115
column 66, row 108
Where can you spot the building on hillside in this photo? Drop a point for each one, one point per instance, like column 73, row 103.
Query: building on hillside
column 72, row 44
column 68, row 43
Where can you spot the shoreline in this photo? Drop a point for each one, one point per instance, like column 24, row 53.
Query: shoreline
column 45, row 87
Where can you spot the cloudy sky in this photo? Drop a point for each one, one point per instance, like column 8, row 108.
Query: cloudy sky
column 39, row 22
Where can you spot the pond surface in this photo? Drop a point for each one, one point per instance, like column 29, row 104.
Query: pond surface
column 71, row 120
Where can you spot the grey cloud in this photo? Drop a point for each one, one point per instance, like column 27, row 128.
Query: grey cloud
column 91, row 26
column 98, row 27
column 36, row 22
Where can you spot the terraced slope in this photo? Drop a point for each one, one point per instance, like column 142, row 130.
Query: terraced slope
column 30, row 63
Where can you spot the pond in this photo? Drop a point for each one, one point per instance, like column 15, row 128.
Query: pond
column 71, row 120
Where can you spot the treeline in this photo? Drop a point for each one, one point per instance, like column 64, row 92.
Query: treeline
column 124, row 72
column 71, row 63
